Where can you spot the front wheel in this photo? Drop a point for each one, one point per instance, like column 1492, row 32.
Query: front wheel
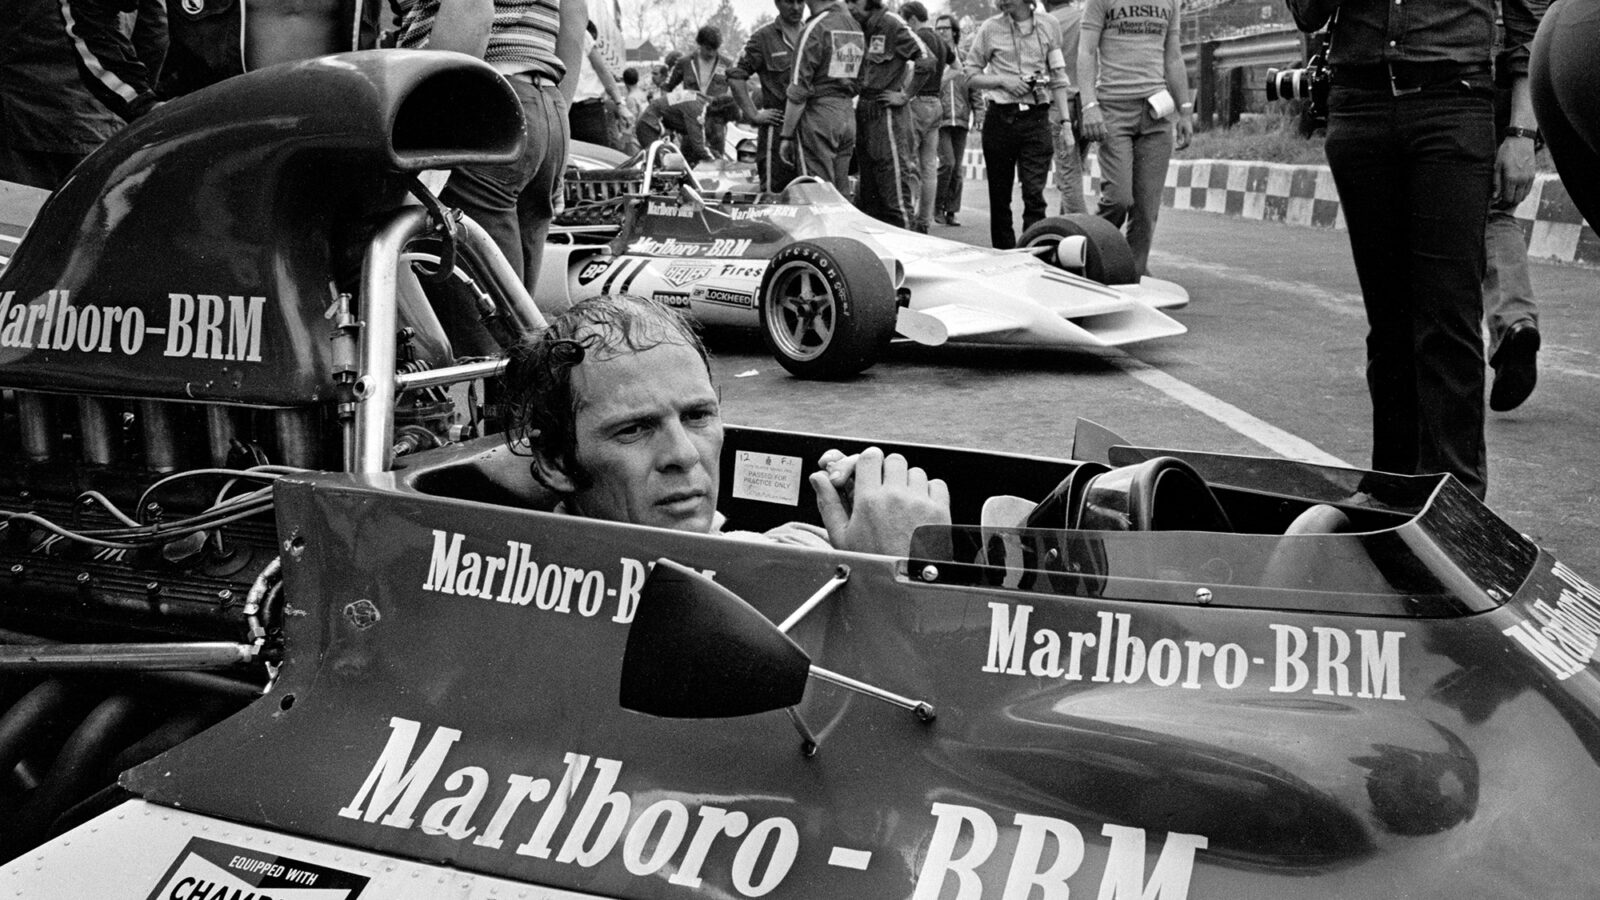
column 1109, row 258
column 827, row 308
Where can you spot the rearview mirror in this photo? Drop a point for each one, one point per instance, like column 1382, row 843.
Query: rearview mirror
column 697, row 651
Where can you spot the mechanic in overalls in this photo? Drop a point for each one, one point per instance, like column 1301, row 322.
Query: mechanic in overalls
column 818, row 135
column 1018, row 59
column 885, row 151
column 769, row 55
column 687, row 118
column 706, row 71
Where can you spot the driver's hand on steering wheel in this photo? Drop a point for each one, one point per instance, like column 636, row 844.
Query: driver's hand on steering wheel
column 887, row 500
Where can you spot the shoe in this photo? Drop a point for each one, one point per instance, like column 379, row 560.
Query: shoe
column 950, row 219
column 1515, row 367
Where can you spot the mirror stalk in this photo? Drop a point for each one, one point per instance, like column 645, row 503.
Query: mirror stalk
column 808, row 741
column 924, row 710
column 841, row 575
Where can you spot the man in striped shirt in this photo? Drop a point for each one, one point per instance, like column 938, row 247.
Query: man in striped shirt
column 535, row 44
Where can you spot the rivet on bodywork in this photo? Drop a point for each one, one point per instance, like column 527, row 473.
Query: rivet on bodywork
column 1202, row 596
column 930, row 573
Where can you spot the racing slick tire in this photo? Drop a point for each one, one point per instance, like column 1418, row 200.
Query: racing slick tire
column 1110, row 259
column 827, row 307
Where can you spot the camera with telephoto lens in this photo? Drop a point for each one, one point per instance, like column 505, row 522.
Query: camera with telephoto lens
column 1310, row 83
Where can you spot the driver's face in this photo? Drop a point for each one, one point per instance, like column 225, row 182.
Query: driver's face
column 649, row 435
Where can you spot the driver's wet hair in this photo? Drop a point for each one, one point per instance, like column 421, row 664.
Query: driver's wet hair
column 539, row 404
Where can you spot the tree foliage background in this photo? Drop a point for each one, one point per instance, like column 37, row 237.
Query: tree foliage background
column 671, row 24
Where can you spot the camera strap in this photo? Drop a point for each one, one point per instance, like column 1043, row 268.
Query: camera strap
column 1044, row 56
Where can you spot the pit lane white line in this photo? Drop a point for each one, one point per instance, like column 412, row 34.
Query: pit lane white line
column 1269, row 436
column 1340, row 302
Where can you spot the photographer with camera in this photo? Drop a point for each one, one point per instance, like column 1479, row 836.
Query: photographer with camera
column 1018, row 59
column 1413, row 151
column 1132, row 80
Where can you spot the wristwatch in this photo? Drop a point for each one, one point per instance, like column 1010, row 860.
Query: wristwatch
column 1511, row 131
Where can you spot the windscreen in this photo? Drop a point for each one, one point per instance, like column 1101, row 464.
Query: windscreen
column 1453, row 557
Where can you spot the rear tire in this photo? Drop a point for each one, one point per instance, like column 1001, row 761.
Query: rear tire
column 827, row 308
column 1110, row 259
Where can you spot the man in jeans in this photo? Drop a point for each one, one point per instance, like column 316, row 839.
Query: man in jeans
column 1070, row 148
column 1509, row 309
column 1413, row 151
column 1132, row 80
column 536, row 45
column 926, row 110
column 957, row 100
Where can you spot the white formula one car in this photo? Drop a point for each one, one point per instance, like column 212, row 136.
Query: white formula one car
column 830, row 286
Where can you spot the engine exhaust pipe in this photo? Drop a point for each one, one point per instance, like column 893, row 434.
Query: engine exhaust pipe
column 220, row 434
column 160, row 437
column 95, row 431
column 33, row 419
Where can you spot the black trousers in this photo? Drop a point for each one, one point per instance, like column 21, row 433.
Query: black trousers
column 1017, row 144
column 1414, row 174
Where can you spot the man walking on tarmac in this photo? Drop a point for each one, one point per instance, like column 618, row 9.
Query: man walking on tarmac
column 1018, row 59
column 769, row 55
column 888, row 168
column 818, row 134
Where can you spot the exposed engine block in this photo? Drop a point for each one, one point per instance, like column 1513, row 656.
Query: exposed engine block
column 219, row 297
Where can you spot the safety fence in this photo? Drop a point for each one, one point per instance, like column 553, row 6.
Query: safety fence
column 1305, row 195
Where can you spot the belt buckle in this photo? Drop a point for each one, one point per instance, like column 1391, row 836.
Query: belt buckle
column 1022, row 107
column 1395, row 89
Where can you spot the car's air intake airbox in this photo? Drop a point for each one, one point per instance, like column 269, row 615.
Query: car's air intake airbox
column 194, row 256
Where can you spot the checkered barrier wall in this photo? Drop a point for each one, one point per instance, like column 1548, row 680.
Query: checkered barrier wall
column 1305, row 195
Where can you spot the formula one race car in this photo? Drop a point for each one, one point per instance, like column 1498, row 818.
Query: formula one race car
column 278, row 622
column 830, row 286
